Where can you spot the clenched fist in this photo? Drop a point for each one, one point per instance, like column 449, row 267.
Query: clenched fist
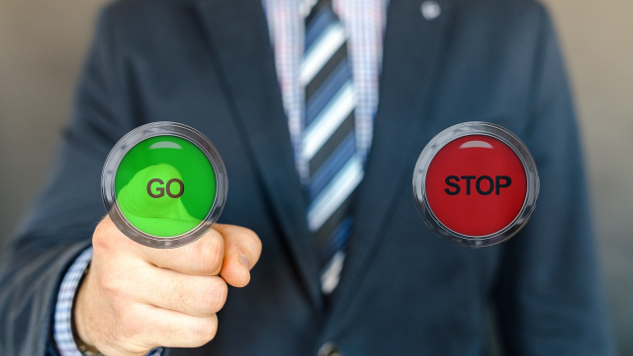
column 135, row 298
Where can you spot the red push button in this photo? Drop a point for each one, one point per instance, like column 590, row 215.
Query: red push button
column 475, row 184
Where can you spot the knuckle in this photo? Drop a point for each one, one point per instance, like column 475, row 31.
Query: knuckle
column 214, row 296
column 110, row 284
column 247, row 233
column 257, row 244
column 208, row 259
column 128, row 323
column 207, row 329
column 113, row 284
column 252, row 241
column 105, row 235
column 99, row 238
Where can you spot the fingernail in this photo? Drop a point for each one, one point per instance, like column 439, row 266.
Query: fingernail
column 244, row 261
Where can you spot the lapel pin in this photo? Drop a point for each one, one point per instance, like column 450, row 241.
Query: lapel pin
column 430, row 10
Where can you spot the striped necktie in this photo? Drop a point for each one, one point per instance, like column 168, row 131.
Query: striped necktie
column 328, row 143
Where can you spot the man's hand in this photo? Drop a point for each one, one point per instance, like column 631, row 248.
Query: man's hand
column 135, row 298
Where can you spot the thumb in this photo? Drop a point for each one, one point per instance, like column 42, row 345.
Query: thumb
column 242, row 249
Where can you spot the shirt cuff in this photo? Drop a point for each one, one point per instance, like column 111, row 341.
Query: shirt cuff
column 62, row 328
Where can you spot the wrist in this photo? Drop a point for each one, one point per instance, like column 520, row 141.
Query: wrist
column 79, row 324
column 66, row 301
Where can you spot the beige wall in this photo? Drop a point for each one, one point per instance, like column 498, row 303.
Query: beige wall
column 41, row 50
column 597, row 38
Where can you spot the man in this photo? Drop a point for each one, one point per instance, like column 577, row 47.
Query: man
column 284, row 89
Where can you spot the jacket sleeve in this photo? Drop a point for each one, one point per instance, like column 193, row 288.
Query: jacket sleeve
column 548, row 294
column 61, row 221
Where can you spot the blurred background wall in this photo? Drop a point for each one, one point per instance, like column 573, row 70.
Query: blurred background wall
column 42, row 44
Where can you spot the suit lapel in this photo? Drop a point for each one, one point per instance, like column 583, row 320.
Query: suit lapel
column 238, row 34
column 412, row 54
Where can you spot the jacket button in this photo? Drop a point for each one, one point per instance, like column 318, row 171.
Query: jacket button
column 329, row 349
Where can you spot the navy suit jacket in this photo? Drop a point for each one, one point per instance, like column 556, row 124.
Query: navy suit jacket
column 403, row 291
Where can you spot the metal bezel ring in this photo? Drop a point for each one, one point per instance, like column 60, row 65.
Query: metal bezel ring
column 131, row 139
column 469, row 129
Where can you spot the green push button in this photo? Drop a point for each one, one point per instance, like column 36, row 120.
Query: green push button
column 164, row 184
